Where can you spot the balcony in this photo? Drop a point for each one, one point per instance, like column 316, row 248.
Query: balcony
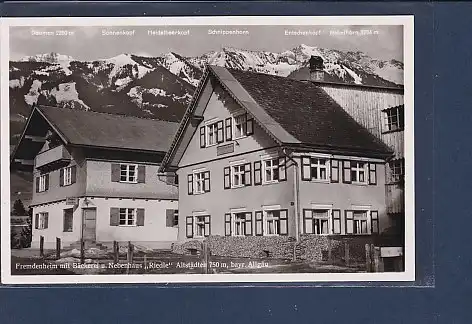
column 52, row 158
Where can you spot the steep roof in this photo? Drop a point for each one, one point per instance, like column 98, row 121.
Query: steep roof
column 88, row 128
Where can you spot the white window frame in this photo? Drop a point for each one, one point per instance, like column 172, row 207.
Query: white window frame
column 329, row 209
column 67, row 176
column 199, row 179
column 326, row 166
column 128, row 212
column 388, row 117
column 127, row 172
column 401, row 175
column 365, row 209
column 42, row 183
column 265, row 211
column 196, row 223
column 274, row 159
column 42, row 220
column 241, row 222
column 243, row 125
column 213, row 125
column 355, row 168
column 237, row 173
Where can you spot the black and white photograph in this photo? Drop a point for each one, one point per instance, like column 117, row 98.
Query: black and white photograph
column 207, row 149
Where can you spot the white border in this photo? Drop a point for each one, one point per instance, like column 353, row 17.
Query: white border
column 408, row 28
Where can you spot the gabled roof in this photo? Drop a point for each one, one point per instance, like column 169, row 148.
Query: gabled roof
column 295, row 113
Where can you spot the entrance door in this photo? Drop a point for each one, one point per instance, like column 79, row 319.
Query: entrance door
column 89, row 224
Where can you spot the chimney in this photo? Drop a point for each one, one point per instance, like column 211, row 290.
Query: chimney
column 316, row 68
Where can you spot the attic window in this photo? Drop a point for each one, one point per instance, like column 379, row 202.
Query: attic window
column 394, row 119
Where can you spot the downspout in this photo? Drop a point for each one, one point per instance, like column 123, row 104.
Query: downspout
column 296, row 192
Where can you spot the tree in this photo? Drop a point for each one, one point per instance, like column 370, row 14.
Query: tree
column 26, row 235
column 19, row 208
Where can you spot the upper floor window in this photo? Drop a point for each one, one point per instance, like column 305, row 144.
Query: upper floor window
column 68, row 175
column 397, row 170
column 394, row 118
column 211, row 134
column 237, row 175
column 42, row 183
column 198, row 182
column 240, row 126
column 358, row 172
column 319, row 168
column 271, row 170
column 128, row 173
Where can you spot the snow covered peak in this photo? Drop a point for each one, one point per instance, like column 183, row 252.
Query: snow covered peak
column 48, row 57
column 121, row 59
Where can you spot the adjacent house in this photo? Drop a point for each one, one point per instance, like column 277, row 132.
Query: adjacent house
column 265, row 160
column 96, row 177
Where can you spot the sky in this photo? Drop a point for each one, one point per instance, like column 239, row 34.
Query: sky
column 89, row 43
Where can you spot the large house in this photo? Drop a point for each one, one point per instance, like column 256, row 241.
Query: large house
column 264, row 160
column 96, row 177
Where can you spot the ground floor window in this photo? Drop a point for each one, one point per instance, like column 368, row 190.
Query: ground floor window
column 198, row 226
column 127, row 217
column 41, row 220
column 238, row 223
column 68, row 220
column 316, row 221
column 361, row 222
column 270, row 222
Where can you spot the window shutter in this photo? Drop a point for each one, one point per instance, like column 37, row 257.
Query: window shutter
column 336, row 214
column 306, row 169
column 140, row 217
column 170, row 217
column 308, row 221
column 228, row 224
column 207, row 226
column 229, row 129
column 257, row 173
column 248, row 224
column 190, row 184
column 334, row 170
column 189, row 226
column 202, row 138
column 227, row 178
column 372, row 173
column 282, row 169
column 141, row 173
column 37, row 184
column 73, row 173
column 347, row 171
column 115, row 172
column 283, row 222
column 374, row 221
column 206, row 181
column 220, row 135
column 249, row 126
column 61, row 177
column 259, row 226
column 36, row 221
column 247, row 174
column 114, row 216
column 47, row 182
column 46, row 220
column 349, row 221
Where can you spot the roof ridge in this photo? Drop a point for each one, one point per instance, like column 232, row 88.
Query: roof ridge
column 106, row 113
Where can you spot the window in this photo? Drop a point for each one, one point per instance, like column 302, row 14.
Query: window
column 240, row 126
column 237, row 175
column 358, row 172
column 397, row 169
column 127, row 217
column 316, row 221
column 198, row 182
column 211, row 131
column 129, row 173
column 274, row 222
column 360, row 222
column 67, row 176
column 271, row 170
column 42, row 220
column 68, row 219
column 319, row 169
column 394, row 118
column 239, row 224
column 176, row 217
column 199, row 226
column 43, row 182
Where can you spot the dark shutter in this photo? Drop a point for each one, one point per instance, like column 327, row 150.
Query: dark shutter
column 114, row 216
column 229, row 129
column 228, row 224
column 36, row 221
column 46, row 220
column 73, row 174
column 306, row 168
column 336, row 214
column 190, row 184
column 347, row 171
column 249, row 126
column 374, row 221
column 220, row 135
column 334, row 170
column 61, row 177
column 207, row 226
column 247, row 174
column 170, row 217
column 140, row 217
column 202, row 136
column 115, row 172
column 189, row 226
column 37, row 184
column 282, row 169
column 349, row 221
column 372, row 174
column 283, row 220
column 259, row 226
column 141, row 173
column 47, row 182
column 257, row 173
column 227, row 177
column 248, row 224
column 308, row 221
column 206, row 181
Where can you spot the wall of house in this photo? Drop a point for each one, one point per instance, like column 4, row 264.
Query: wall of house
column 99, row 183
column 154, row 234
